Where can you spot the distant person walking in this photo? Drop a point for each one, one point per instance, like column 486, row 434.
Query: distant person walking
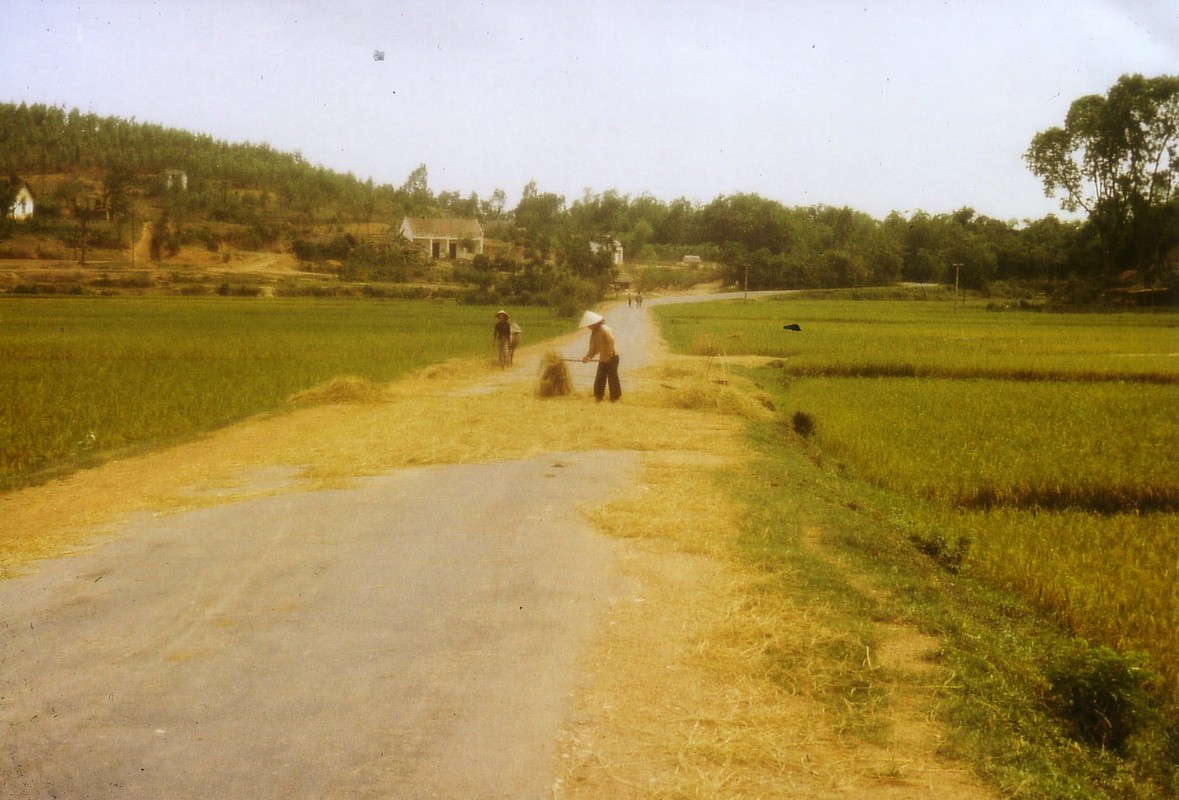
column 602, row 345
column 501, row 337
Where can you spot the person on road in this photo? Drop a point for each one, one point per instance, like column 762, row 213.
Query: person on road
column 602, row 345
column 501, row 337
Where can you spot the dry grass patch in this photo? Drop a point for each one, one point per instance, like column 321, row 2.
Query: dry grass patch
column 710, row 681
column 713, row 682
column 705, row 386
column 350, row 429
column 349, row 389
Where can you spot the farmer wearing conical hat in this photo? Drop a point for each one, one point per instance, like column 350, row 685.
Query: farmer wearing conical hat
column 601, row 344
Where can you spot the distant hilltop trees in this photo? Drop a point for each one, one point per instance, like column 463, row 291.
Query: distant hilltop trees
column 115, row 171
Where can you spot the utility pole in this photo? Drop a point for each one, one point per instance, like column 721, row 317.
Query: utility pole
column 957, row 267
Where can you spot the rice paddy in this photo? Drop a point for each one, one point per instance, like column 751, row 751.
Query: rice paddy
column 83, row 379
column 1038, row 450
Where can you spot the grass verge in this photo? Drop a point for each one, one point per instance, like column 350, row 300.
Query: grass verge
column 1003, row 660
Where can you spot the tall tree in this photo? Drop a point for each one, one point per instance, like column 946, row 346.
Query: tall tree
column 416, row 187
column 1117, row 159
column 537, row 220
column 84, row 204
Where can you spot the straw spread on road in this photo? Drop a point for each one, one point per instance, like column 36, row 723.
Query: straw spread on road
column 670, row 692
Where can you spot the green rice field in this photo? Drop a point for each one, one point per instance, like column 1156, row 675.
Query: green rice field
column 82, row 378
column 1038, row 450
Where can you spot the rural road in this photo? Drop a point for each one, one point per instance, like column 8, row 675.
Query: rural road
column 416, row 635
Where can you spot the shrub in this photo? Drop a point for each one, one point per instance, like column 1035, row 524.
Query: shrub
column 946, row 549
column 1101, row 696
column 803, row 424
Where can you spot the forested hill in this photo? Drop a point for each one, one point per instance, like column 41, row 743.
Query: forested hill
column 252, row 197
column 40, row 140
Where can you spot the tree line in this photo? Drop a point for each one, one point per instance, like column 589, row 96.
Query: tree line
column 1113, row 161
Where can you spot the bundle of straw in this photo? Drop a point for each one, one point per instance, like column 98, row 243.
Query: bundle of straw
column 554, row 376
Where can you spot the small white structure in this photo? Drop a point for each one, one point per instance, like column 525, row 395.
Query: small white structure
column 615, row 248
column 444, row 238
column 22, row 205
column 175, row 179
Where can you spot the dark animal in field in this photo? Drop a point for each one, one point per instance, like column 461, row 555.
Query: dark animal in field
column 793, row 326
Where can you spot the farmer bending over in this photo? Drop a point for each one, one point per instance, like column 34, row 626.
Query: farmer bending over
column 601, row 344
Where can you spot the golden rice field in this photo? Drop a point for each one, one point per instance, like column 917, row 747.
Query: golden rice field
column 83, row 378
column 1046, row 444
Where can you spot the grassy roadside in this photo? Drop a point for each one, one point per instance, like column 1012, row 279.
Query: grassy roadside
column 1024, row 480
column 761, row 662
column 830, row 656
column 836, row 538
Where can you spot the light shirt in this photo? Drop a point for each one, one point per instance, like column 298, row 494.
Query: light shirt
column 601, row 343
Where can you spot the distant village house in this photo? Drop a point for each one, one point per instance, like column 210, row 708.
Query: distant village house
column 444, row 238
column 175, row 179
column 22, row 206
column 615, row 248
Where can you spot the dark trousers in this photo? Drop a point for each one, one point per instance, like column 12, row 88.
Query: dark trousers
column 607, row 373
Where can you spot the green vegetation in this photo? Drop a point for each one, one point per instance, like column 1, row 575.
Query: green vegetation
column 1041, row 714
column 918, row 338
column 99, row 179
column 85, row 378
column 1027, row 459
column 1115, row 158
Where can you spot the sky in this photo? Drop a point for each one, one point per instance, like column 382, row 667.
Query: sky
column 880, row 106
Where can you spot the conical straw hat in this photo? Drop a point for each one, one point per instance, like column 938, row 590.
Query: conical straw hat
column 589, row 318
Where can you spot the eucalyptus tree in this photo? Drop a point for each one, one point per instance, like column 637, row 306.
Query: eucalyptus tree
column 84, row 203
column 537, row 220
column 1117, row 159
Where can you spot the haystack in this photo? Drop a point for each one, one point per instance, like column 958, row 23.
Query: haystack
column 555, row 380
column 346, row 389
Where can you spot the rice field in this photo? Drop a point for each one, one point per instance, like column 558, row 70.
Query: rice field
column 919, row 339
column 1038, row 450
column 980, row 443
column 83, row 378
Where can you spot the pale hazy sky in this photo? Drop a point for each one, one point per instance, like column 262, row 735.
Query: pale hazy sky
column 881, row 106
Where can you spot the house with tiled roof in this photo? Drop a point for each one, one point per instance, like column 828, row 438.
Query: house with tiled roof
column 444, row 238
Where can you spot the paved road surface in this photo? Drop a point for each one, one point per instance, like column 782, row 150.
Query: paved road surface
column 414, row 637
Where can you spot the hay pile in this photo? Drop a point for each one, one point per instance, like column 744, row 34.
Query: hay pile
column 555, row 380
column 693, row 386
column 347, row 389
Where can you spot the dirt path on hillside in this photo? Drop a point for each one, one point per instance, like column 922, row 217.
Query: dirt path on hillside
column 430, row 632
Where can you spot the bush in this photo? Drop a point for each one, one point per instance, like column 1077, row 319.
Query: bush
column 1100, row 696
column 803, row 424
column 944, row 548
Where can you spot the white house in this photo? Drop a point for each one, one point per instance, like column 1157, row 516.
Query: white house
column 22, row 205
column 444, row 238
column 615, row 248
column 175, row 180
